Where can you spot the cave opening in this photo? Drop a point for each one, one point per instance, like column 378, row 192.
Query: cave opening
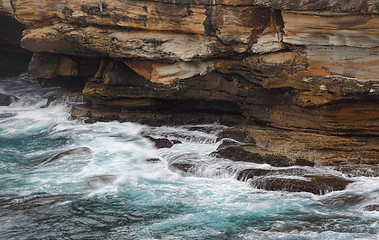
column 13, row 59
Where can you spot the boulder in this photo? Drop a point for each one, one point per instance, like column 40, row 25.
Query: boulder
column 319, row 185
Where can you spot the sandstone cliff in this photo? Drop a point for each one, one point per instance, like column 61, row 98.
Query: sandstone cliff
column 308, row 66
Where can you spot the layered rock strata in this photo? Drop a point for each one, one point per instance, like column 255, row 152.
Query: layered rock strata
column 304, row 66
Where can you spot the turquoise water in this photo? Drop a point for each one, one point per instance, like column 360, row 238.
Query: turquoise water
column 137, row 199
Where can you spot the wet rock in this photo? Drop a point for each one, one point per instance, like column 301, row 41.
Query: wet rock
column 358, row 171
column 182, row 167
column 241, row 136
column 152, row 118
column 163, row 142
column 374, row 207
column 240, row 154
column 171, row 59
column 6, row 100
column 304, row 162
column 247, row 174
column 49, row 101
column 313, row 184
column 153, row 160
column 227, row 143
column 100, row 180
column 343, row 199
column 71, row 152
column 32, row 202
column 7, row 115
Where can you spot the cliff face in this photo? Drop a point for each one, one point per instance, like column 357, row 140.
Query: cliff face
column 308, row 65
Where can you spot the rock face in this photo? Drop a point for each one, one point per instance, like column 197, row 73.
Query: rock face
column 305, row 66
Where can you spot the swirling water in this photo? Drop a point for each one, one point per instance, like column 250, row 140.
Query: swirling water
column 48, row 196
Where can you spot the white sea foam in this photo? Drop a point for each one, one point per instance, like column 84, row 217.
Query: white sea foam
column 161, row 203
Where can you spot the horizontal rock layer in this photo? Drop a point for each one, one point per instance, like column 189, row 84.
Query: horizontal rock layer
column 300, row 65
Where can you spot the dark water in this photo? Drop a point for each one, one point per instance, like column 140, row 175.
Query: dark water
column 106, row 190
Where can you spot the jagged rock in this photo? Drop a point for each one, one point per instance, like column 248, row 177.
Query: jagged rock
column 314, row 184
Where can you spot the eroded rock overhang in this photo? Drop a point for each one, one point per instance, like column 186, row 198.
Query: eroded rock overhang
column 289, row 64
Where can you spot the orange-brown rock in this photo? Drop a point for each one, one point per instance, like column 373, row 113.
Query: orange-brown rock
column 362, row 6
column 305, row 66
column 161, row 30
column 304, row 148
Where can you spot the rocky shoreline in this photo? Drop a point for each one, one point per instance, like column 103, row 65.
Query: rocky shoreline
column 298, row 80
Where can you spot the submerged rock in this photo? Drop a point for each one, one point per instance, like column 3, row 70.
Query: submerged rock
column 374, row 207
column 313, row 184
column 32, row 202
column 182, row 167
column 100, row 180
column 343, row 199
column 7, row 115
column 163, row 142
column 71, row 152
column 153, row 160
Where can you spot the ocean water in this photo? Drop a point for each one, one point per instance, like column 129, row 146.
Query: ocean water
column 102, row 187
